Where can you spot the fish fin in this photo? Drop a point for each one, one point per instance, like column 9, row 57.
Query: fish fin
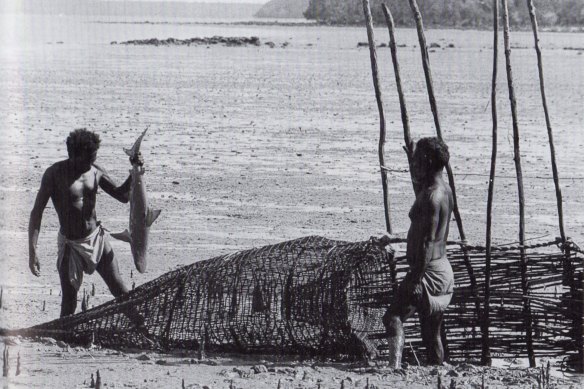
column 133, row 152
column 151, row 216
column 124, row 236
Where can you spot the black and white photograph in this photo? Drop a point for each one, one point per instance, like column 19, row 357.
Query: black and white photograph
column 233, row 194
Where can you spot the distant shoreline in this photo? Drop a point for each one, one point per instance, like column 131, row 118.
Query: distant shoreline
column 308, row 23
column 235, row 23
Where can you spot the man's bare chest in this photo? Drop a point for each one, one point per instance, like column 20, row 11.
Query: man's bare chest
column 72, row 189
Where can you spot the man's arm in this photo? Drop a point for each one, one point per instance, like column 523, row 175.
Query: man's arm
column 121, row 192
column 36, row 215
column 430, row 230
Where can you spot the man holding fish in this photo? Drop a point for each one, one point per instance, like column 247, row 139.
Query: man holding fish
column 83, row 242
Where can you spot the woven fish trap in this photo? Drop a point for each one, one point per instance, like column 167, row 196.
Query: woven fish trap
column 324, row 297
column 308, row 295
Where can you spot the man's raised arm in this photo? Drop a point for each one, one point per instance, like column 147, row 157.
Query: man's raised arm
column 121, row 192
column 34, row 224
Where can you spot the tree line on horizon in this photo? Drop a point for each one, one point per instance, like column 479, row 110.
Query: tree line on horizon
column 448, row 13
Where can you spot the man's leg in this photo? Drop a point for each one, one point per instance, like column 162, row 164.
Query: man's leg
column 432, row 337
column 109, row 270
column 401, row 309
column 68, row 292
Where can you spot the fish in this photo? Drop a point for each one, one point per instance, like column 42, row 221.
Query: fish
column 141, row 216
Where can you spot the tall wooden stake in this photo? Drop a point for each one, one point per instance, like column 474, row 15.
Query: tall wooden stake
column 97, row 380
column 398, row 84
column 84, row 302
column 5, row 361
column 486, row 352
column 434, row 108
column 375, row 74
column 517, row 159
column 547, row 119
column 18, row 365
column 567, row 261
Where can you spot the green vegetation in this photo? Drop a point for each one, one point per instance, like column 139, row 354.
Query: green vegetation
column 283, row 9
column 449, row 13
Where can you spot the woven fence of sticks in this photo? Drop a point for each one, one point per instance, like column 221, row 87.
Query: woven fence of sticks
column 554, row 295
column 317, row 296
column 538, row 304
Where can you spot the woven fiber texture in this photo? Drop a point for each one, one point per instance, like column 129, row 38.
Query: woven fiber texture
column 310, row 295
column 323, row 297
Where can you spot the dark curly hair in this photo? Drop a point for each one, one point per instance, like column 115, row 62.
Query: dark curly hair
column 435, row 152
column 80, row 140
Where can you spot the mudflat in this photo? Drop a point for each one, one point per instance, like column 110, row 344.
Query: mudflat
column 255, row 145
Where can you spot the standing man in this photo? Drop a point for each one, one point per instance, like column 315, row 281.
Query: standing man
column 429, row 283
column 83, row 243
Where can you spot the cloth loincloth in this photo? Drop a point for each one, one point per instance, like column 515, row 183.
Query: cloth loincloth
column 438, row 285
column 84, row 254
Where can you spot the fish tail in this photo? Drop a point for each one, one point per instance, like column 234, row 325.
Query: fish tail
column 133, row 152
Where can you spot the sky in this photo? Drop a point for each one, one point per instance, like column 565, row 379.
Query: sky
column 208, row 1
column 12, row 5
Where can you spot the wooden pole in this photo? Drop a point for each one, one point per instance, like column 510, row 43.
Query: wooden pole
column 566, row 248
column 434, row 108
column 83, row 302
column 517, row 159
column 5, row 362
column 486, row 352
column 18, row 371
column 426, row 64
column 402, row 100
column 531, row 8
column 375, row 74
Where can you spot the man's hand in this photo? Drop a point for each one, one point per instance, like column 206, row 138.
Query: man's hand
column 34, row 265
column 416, row 290
column 139, row 160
